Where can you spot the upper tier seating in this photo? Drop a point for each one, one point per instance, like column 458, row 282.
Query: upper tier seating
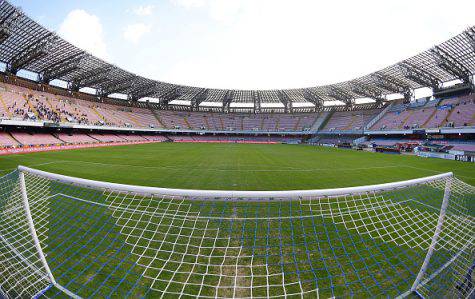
column 463, row 113
column 25, row 104
column 350, row 120
column 452, row 112
column 232, row 122
column 13, row 103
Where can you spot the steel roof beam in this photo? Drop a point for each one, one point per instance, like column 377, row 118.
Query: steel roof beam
column 257, row 99
column 117, row 86
column 7, row 24
column 34, row 51
column 62, row 68
column 91, row 78
column 367, row 91
column 470, row 33
column 392, row 85
column 169, row 96
column 198, row 98
column 418, row 76
column 228, row 98
column 313, row 98
column 285, row 99
column 451, row 65
column 341, row 96
column 142, row 91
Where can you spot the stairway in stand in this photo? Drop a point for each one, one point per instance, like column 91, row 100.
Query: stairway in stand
column 157, row 117
column 222, row 123
column 206, row 122
column 98, row 114
column 406, row 118
column 430, row 117
column 32, row 108
column 4, row 105
column 297, row 124
column 277, row 124
column 54, row 109
column 185, row 119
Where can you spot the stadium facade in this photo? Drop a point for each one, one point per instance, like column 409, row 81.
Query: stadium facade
column 126, row 104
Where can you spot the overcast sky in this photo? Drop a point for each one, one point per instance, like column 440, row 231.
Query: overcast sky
column 253, row 44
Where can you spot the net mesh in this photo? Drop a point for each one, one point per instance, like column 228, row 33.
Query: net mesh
column 101, row 242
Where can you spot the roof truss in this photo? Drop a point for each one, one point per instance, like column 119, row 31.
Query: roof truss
column 169, row 96
column 285, row 99
column 341, row 95
column 25, row 44
column 32, row 52
column 367, row 91
column 143, row 90
column 117, row 86
column 228, row 98
column 7, row 24
column 256, row 99
column 470, row 33
column 313, row 98
column 449, row 64
column 91, row 78
column 392, row 85
column 199, row 98
column 417, row 75
column 62, row 68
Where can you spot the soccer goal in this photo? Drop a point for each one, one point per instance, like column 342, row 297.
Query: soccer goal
column 68, row 237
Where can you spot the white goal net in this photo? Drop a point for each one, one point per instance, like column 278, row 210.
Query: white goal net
column 68, row 237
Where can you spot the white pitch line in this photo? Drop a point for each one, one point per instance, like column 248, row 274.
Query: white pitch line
column 224, row 170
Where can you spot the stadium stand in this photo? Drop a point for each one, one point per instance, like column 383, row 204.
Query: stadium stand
column 107, row 137
column 236, row 139
column 453, row 112
column 157, row 138
column 27, row 138
column 335, row 140
column 350, row 120
column 6, row 140
column 27, row 104
column 76, row 138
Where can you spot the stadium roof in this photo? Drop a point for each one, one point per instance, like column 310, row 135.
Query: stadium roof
column 25, row 44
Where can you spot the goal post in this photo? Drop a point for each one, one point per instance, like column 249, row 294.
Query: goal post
column 61, row 235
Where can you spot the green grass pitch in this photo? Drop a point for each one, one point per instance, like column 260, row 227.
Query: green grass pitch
column 237, row 166
column 113, row 245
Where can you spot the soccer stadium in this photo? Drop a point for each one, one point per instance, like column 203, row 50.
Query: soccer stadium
column 115, row 185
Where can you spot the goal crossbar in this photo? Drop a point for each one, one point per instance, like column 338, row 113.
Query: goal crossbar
column 232, row 194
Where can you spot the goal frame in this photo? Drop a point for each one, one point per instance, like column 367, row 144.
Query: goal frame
column 232, row 195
